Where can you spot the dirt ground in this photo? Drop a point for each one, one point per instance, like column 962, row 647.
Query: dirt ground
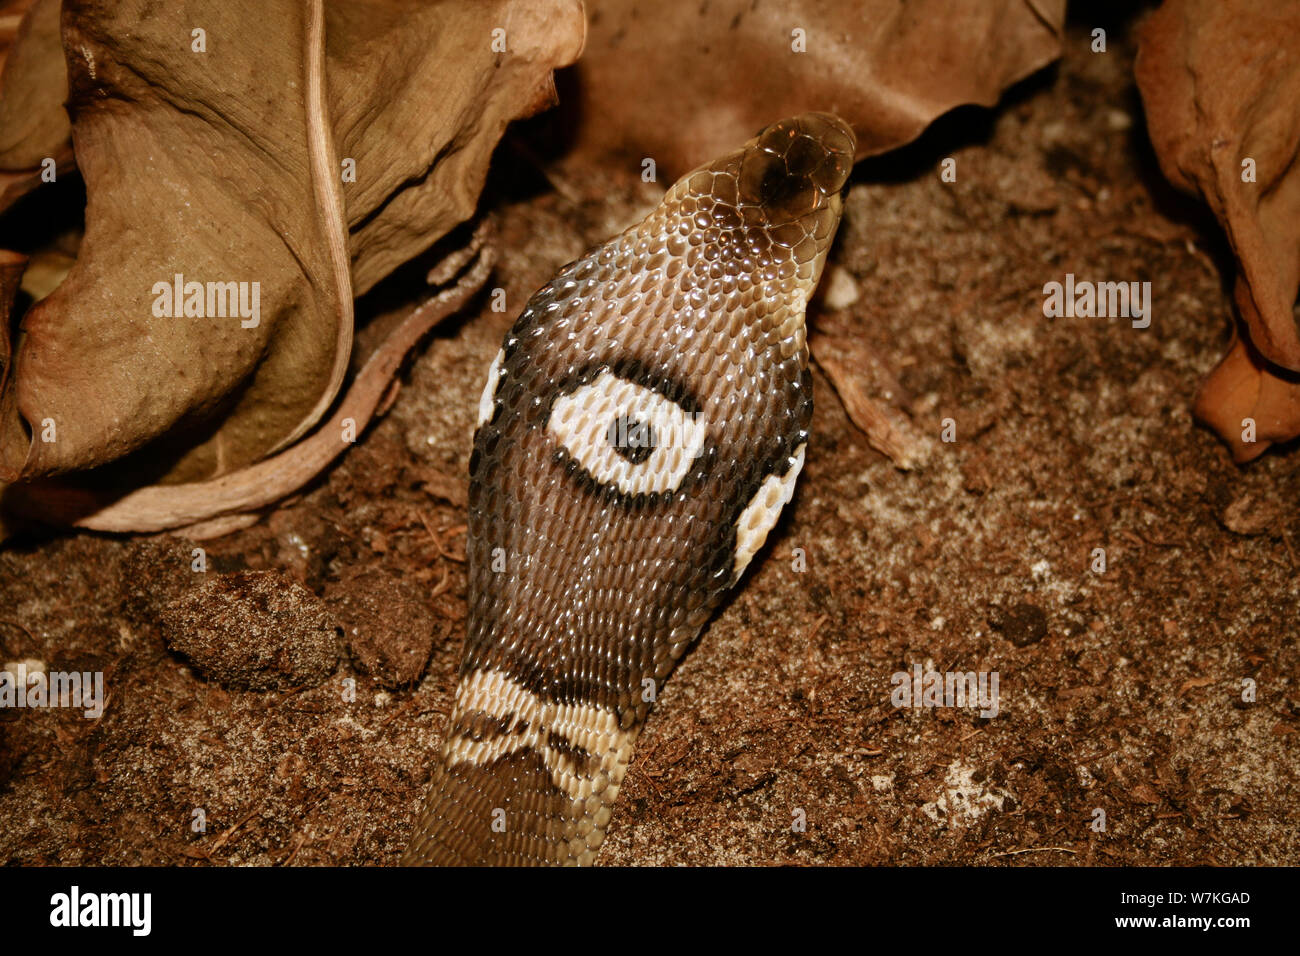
column 1120, row 691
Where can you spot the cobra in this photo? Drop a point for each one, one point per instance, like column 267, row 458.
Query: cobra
column 640, row 432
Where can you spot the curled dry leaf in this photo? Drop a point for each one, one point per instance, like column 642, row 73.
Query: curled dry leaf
column 419, row 100
column 683, row 81
column 11, row 272
column 209, row 509
column 33, row 85
column 223, row 156
column 1220, row 82
column 217, row 144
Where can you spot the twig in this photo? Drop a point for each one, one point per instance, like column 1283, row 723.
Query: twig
column 1036, row 849
column 221, row 840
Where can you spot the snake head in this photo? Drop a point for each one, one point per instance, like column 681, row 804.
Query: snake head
column 797, row 168
column 787, row 182
column 640, row 432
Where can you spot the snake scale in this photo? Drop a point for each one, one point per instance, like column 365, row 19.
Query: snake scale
column 640, row 431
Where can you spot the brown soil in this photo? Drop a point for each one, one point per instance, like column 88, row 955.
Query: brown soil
column 1120, row 691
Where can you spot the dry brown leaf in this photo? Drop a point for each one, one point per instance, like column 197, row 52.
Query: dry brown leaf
column 224, row 166
column 11, row 272
column 422, row 131
column 234, row 185
column 1220, row 82
column 1244, row 393
column 680, row 82
column 12, row 13
column 33, row 84
column 212, row 508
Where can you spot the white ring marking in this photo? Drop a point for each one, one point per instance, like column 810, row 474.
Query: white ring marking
column 581, row 422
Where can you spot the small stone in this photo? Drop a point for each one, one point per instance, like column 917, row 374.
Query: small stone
column 841, row 289
column 1118, row 120
column 254, row 630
